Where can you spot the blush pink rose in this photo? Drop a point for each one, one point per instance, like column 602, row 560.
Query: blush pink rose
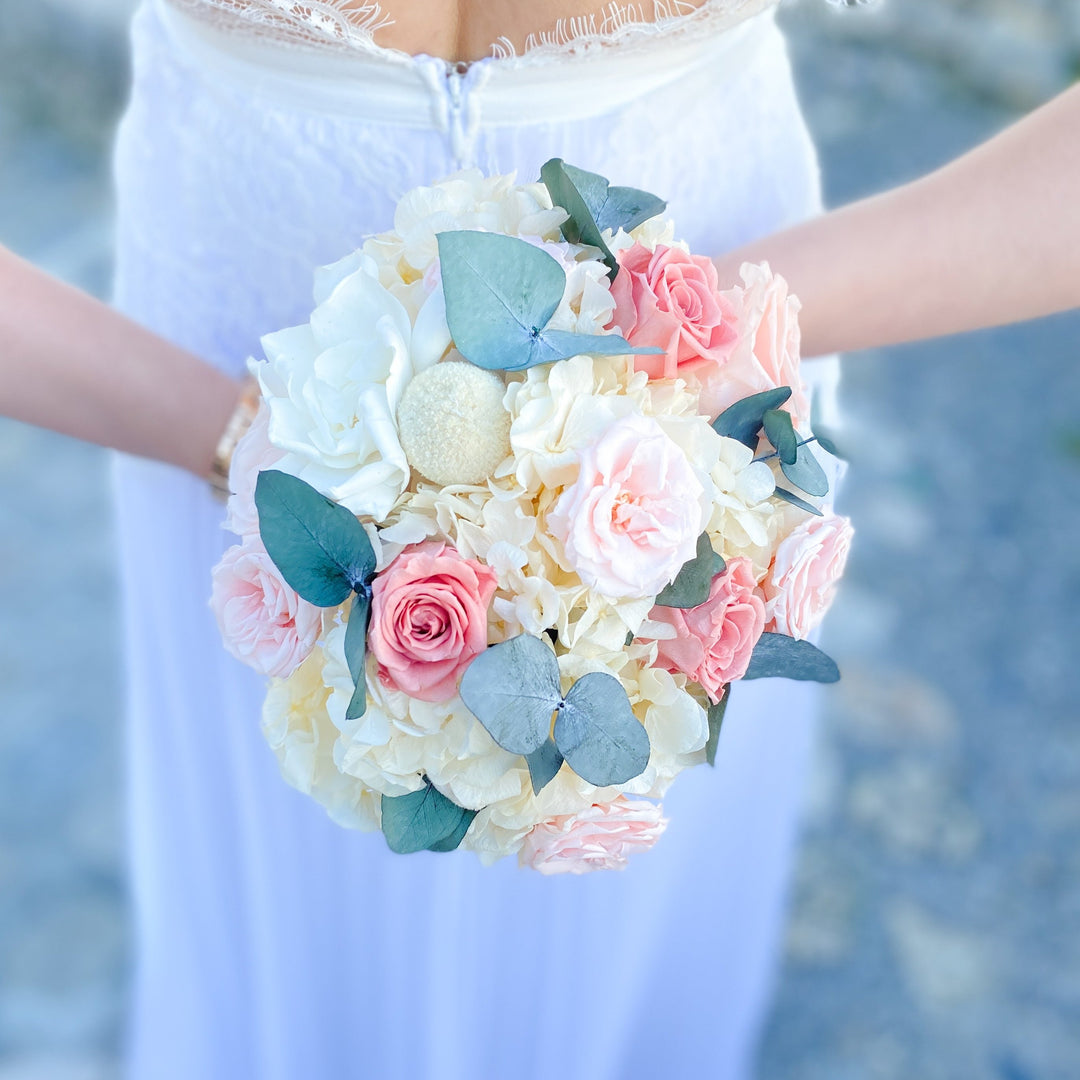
column 714, row 641
column 599, row 838
column 804, row 574
column 632, row 518
column 253, row 453
column 670, row 299
column 263, row 622
column 766, row 318
column 429, row 619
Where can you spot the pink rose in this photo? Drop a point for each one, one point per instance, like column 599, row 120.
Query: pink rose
column 804, row 574
column 670, row 299
column 714, row 641
column 263, row 622
column 253, row 453
column 632, row 518
column 766, row 318
column 429, row 619
column 599, row 838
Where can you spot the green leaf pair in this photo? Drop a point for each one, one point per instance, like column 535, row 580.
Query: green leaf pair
column 424, row 820
column 594, row 206
column 323, row 552
column 501, row 293
column 514, row 690
column 748, row 418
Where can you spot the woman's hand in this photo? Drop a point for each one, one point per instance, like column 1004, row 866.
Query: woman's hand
column 72, row 364
column 991, row 238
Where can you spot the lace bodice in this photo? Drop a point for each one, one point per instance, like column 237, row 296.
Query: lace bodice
column 343, row 24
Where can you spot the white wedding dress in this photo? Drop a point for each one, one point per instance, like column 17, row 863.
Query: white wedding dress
column 272, row 944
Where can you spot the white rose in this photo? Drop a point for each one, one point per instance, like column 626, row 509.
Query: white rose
column 333, row 387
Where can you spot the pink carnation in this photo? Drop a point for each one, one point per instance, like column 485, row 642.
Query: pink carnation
column 263, row 622
column 670, row 299
column 253, row 453
column 429, row 619
column 766, row 318
column 804, row 574
column 714, row 641
column 599, row 838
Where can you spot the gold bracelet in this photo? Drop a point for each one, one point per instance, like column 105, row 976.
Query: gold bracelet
column 247, row 406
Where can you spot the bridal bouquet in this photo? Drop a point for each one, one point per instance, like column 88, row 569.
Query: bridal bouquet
column 523, row 500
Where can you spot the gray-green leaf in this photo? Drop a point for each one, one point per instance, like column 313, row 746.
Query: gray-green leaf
column 421, row 820
column 544, row 765
column 781, row 657
column 593, row 206
column 716, row 722
column 513, row 689
column 320, row 548
column 500, row 295
column 694, row 581
column 806, row 473
column 802, row 504
column 356, row 652
column 780, row 431
column 453, row 841
column 744, row 419
column 598, row 734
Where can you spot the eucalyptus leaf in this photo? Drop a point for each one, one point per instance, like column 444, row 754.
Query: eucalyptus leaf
column 500, row 295
column 513, row 689
column 693, row 583
column 562, row 344
column 598, row 734
column 806, row 473
column 744, row 419
column 453, row 841
column 802, row 504
column 581, row 226
column 781, row 657
column 544, row 764
column 822, row 433
column 356, row 651
column 716, row 722
column 780, row 431
column 421, row 819
column 592, row 203
column 320, row 548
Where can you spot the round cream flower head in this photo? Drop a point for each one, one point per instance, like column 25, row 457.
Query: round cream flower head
column 452, row 423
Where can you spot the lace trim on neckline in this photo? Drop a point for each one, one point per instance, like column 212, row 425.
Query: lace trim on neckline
column 344, row 25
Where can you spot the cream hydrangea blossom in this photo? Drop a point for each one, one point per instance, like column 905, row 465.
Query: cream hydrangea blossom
column 297, row 728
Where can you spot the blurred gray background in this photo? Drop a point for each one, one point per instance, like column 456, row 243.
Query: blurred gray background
column 935, row 928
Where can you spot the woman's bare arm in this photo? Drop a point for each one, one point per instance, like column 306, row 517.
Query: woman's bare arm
column 991, row 238
column 72, row 364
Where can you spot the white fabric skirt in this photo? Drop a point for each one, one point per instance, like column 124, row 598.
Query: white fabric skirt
column 270, row 943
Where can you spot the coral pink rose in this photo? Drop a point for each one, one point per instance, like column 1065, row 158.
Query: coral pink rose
column 714, row 641
column 599, row 838
column 262, row 620
column 429, row 619
column 670, row 299
column 253, row 453
column 804, row 574
column 632, row 518
column 766, row 318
